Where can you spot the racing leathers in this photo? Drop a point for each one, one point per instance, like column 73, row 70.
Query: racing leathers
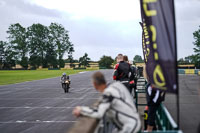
column 63, row 80
column 122, row 73
column 117, row 104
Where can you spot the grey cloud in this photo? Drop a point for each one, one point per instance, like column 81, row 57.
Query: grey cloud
column 187, row 21
column 27, row 8
column 19, row 11
column 98, row 37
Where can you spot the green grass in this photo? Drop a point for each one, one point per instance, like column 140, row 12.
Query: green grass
column 17, row 76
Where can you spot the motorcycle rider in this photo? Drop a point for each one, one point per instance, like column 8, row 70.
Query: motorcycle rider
column 122, row 72
column 63, row 79
column 116, row 104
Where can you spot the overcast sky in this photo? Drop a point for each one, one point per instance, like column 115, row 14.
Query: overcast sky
column 99, row 27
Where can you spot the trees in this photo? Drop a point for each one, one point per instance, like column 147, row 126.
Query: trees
column 84, row 61
column 17, row 37
column 37, row 38
column 196, row 57
column 2, row 54
column 106, row 61
column 7, row 60
column 60, row 39
column 70, row 60
column 138, row 58
column 37, row 45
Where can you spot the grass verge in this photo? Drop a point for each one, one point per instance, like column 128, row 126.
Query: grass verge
column 17, row 76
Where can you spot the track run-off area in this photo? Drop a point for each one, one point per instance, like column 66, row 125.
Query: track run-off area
column 41, row 106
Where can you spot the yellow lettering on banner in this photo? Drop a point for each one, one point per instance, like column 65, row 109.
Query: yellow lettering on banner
column 155, row 55
column 154, row 34
column 155, row 46
column 153, row 30
column 148, row 51
column 149, row 12
column 146, row 33
column 158, row 73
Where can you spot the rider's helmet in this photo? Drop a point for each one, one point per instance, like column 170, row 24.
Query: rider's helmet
column 64, row 74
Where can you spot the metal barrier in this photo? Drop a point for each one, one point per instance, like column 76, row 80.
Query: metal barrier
column 164, row 121
column 136, row 97
column 140, row 83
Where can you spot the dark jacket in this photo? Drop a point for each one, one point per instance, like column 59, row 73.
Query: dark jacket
column 154, row 96
column 122, row 71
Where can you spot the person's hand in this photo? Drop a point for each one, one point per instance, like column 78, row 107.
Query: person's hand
column 77, row 111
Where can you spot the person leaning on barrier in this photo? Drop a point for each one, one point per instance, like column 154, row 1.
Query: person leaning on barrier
column 116, row 102
column 122, row 72
column 154, row 99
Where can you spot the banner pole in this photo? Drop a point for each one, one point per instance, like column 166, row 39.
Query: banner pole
column 177, row 78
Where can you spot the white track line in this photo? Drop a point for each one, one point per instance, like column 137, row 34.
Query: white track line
column 44, row 98
column 37, row 121
column 28, row 107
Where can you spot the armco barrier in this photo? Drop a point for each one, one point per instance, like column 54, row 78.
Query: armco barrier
column 53, row 68
column 102, row 68
column 181, row 71
column 189, row 71
column 196, row 71
column 79, row 68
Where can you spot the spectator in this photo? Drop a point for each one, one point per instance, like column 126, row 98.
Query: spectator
column 125, row 58
column 116, row 103
column 122, row 72
column 154, row 99
column 132, row 76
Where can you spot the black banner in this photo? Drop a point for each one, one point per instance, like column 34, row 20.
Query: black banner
column 159, row 48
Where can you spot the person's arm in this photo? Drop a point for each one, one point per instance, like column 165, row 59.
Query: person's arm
column 103, row 106
column 115, row 74
column 131, row 73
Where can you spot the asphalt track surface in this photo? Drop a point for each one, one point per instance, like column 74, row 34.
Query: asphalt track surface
column 189, row 87
column 42, row 106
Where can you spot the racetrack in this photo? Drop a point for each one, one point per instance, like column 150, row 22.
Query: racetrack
column 42, row 106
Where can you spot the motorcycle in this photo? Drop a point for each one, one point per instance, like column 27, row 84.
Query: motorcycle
column 66, row 85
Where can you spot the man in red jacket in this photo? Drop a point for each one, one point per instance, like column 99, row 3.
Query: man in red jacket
column 122, row 72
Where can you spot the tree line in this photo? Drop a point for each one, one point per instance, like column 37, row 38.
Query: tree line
column 36, row 45
column 39, row 45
